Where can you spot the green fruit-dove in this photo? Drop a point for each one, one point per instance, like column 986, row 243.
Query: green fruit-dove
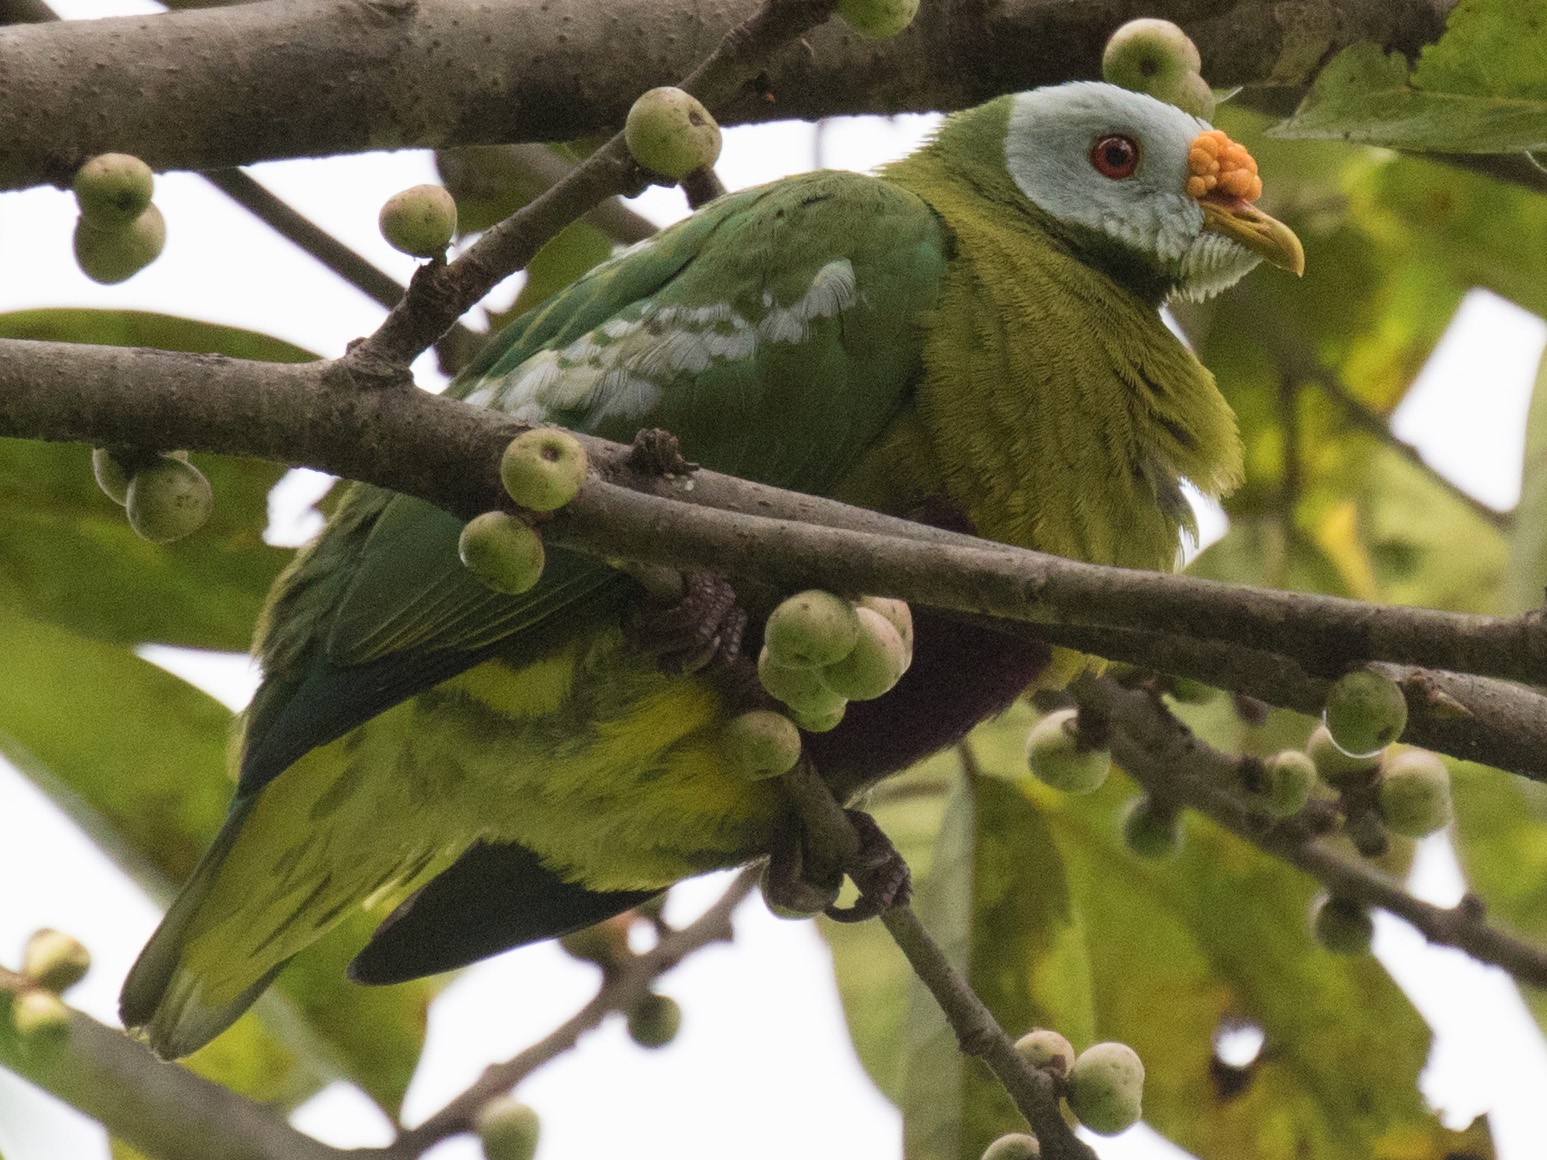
column 972, row 337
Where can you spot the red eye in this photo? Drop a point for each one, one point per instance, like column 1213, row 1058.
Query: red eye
column 1115, row 156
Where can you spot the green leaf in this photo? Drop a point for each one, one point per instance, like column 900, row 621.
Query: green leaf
column 144, row 328
column 996, row 899
column 1215, row 936
column 68, row 555
column 1482, row 88
column 1527, row 576
column 137, row 758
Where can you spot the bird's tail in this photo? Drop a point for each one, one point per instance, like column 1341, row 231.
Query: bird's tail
column 164, row 1002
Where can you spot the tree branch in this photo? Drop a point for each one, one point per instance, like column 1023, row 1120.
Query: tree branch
column 213, row 88
column 441, row 292
column 621, row 989
column 1166, row 758
column 447, row 453
column 161, row 1109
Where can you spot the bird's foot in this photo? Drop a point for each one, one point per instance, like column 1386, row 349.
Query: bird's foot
column 702, row 627
column 793, row 886
column 883, row 878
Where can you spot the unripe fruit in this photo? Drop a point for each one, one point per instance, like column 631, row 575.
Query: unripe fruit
column 1336, row 767
column 811, row 629
column 878, row 18
column 669, row 132
column 168, row 499
column 543, row 470
column 1288, row 779
column 110, row 476
column 420, row 221
column 760, row 744
column 40, row 1015
column 604, row 943
column 1054, row 757
column 55, row 960
column 1148, row 52
column 1015, row 1146
column 1414, row 793
column 1342, row 925
column 113, row 189
column 111, row 254
column 1046, row 1048
column 800, row 687
column 503, row 552
column 1365, row 712
column 507, row 1129
column 821, row 722
column 1106, row 1088
column 876, row 662
column 1151, row 830
column 654, row 1020
column 1188, row 92
column 897, row 613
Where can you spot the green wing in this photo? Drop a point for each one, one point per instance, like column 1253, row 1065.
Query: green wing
column 775, row 333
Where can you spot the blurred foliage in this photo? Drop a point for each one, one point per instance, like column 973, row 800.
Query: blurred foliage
column 1481, row 88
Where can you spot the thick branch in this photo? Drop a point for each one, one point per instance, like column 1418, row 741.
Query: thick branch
column 206, row 89
column 1169, row 760
column 161, row 1109
column 1491, row 722
column 447, row 453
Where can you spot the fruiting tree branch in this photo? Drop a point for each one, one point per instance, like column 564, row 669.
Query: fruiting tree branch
column 447, row 453
column 440, row 293
column 1164, row 756
column 213, row 88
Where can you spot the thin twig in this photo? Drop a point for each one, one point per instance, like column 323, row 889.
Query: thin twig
column 1368, row 421
column 620, row 990
column 440, row 294
column 979, row 1034
column 1164, row 756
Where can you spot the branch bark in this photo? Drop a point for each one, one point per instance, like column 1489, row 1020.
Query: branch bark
column 447, row 453
column 225, row 86
column 161, row 1109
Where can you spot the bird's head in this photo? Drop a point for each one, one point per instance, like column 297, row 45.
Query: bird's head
column 1144, row 186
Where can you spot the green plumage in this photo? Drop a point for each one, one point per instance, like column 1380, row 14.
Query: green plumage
column 926, row 337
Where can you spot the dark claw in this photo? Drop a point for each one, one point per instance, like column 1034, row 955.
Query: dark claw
column 878, row 870
column 703, row 627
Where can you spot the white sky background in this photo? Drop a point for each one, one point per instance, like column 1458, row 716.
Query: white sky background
column 763, row 1058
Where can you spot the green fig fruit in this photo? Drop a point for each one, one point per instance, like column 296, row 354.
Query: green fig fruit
column 1053, row 755
column 1365, row 712
column 811, row 629
column 113, row 189
column 1106, row 1088
column 420, row 221
column 112, row 254
column 505, row 553
column 669, row 132
column 1414, row 793
column 544, row 469
column 168, row 499
column 760, row 743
